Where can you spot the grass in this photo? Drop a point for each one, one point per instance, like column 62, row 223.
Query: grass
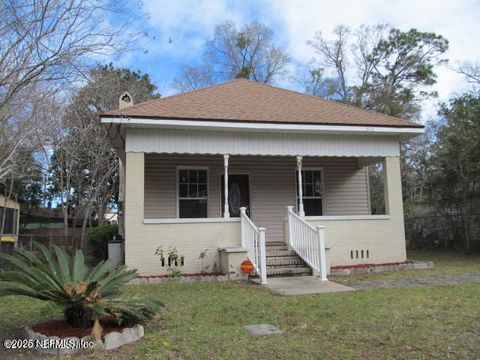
column 445, row 263
column 204, row 321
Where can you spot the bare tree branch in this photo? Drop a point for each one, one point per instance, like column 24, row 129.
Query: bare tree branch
column 45, row 46
column 231, row 53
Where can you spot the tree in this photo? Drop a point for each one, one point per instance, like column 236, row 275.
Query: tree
column 27, row 177
column 392, row 69
column 386, row 70
column 24, row 182
column 84, row 165
column 404, row 64
column 44, row 47
column 333, row 54
column 471, row 70
column 232, row 53
column 314, row 82
column 456, row 181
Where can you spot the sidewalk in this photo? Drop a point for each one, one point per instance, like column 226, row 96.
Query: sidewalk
column 302, row 285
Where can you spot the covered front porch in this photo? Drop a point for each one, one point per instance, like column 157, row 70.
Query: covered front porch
column 181, row 201
column 182, row 187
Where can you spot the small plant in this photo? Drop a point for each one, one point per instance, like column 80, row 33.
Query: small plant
column 174, row 260
column 174, row 272
column 203, row 257
column 159, row 252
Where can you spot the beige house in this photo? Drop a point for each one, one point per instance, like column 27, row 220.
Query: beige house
column 223, row 169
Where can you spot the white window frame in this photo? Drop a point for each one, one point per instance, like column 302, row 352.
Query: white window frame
column 178, row 198
column 322, row 197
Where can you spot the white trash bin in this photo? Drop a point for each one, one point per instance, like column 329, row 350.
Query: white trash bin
column 116, row 251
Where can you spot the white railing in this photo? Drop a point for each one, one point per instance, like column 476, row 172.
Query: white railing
column 308, row 242
column 253, row 239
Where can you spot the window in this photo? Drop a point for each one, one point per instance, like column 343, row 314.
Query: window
column 312, row 191
column 192, row 193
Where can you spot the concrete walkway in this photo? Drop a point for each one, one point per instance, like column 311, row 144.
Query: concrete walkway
column 303, row 285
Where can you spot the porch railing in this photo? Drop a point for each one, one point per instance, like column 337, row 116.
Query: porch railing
column 308, row 242
column 253, row 239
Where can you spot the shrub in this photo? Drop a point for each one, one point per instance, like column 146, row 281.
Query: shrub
column 97, row 243
column 84, row 293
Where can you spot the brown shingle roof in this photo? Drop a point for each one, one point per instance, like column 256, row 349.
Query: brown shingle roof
column 246, row 100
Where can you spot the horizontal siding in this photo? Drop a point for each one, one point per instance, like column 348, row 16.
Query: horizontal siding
column 150, row 140
column 272, row 186
column 9, row 203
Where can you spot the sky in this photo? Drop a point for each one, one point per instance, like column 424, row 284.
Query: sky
column 178, row 29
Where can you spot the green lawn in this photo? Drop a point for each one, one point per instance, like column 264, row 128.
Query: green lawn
column 204, row 321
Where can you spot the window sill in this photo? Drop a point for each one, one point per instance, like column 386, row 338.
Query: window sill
column 347, row 217
column 189, row 221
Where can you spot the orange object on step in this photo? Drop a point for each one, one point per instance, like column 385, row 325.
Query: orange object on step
column 246, row 267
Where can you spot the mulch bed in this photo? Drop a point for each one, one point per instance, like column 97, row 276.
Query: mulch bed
column 58, row 327
column 166, row 276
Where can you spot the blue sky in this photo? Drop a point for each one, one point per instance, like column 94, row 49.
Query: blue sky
column 190, row 23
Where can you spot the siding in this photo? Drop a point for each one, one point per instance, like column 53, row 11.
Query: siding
column 142, row 240
column 10, row 203
column 272, row 186
column 170, row 141
column 383, row 238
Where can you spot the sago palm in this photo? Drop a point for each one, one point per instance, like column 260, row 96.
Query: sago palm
column 84, row 293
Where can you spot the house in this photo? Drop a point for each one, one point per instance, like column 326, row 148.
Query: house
column 235, row 165
column 9, row 219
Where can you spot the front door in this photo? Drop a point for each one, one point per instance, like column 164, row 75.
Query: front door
column 238, row 194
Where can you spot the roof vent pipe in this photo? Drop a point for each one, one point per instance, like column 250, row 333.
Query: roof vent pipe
column 125, row 100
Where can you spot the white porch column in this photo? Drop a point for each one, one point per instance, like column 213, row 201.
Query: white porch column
column 226, row 210
column 301, row 211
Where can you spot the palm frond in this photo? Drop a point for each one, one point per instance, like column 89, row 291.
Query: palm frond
column 13, row 290
column 119, row 277
column 64, row 263
column 47, row 254
column 100, row 270
column 79, row 269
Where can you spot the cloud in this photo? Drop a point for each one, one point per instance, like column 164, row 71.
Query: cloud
column 189, row 23
column 175, row 34
column 455, row 20
column 183, row 26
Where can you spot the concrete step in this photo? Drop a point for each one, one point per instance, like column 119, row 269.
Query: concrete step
column 276, row 245
column 283, row 261
column 268, row 243
column 289, row 271
column 273, row 253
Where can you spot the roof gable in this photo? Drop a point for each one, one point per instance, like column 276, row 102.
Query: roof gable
column 249, row 101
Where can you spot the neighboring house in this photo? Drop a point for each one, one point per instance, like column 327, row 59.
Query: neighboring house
column 44, row 219
column 178, row 152
column 9, row 219
column 46, row 225
column 111, row 217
